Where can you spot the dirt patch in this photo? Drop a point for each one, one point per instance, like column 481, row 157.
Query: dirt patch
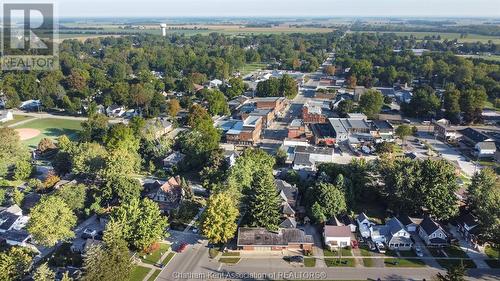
column 26, row 134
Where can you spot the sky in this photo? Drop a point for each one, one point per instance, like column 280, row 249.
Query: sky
column 284, row 8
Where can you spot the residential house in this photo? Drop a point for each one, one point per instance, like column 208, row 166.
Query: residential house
column 215, row 83
column 159, row 127
column 358, row 92
column 306, row 157
column 31, row 105
column 343, row 220
column 467, row 226
column 16, row 237
column 444, row 132
column 12, row 218
column 261, row 239
column 411, row 224
column 115, row 111
column 337, row 236
column 173, row 160
column 396, row 236
column 485, row 149
column 168, row 195
column 432, row 233
column 364, row 225
column 6, row 115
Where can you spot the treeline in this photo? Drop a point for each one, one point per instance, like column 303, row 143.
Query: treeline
column 482, row 29
column 119, row 70
column 468, row 84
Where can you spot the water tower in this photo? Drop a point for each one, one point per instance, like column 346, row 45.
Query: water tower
column 163, row 29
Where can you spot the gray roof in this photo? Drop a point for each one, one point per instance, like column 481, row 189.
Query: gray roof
column 474, row 135
column 256, row 236
column 302, row 159
column 288, row 223
column 7, row 220
column 429, row 226
column 489, row 145
column 394, row 225
column 399, row 240
column 15, row 235
column 314, row 150
column 361, row 217
column 289, row 190
column 337, row 126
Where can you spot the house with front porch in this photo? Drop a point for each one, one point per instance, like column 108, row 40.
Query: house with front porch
column 432, row 233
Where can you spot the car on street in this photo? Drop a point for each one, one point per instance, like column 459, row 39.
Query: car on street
column 89, row 233
column 182, row 247
column 295, row 259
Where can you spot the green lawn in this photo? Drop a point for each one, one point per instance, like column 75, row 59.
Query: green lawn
column 435, row 252
column 334, row 253
column 231, row 254
column 333, row 262
column 368, row 262
column 493, row 253
column 493, row 263
column 309, row 262
column 365, row 251
column 168, row 258
column 455, row 252
column 410, row 253
column 154, row 257
column 251, row 67
column 397, row 262
column 51, row 128
column 154, row 275
column 229, row 260
column 17, row 118
column 447, row 263
column 139, row 273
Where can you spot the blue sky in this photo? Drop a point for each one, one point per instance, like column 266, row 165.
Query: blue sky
column 227, row 8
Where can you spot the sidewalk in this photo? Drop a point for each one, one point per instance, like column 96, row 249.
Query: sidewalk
column 154, row 268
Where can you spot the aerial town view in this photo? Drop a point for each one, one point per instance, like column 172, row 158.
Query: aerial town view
column 253, row 140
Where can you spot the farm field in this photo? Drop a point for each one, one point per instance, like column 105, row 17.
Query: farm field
column 444, row 35
column 48, row 128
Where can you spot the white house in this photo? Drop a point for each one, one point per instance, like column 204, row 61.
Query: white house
column 337, row 236
column 485, row 149
column 214, row 83
column 432, row 233
column 397, row 238
column 115, row 110
column 6, row 115
column 364, row 225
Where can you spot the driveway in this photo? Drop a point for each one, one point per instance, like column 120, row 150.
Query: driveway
column 475, row 255
column 318, row 244
column 419, row 243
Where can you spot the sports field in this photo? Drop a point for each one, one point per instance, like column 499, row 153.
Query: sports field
column 33, row 131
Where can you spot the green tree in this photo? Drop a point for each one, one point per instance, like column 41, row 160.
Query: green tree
column 74, row 195
column 11, row 150
column 344, row 107
column 17, row 196
column 89, row 159
column 217, row 104
column 483, row 198
column 49, row 212
column 122, row 188
column 22, row 169
column 44, row 273
column 451, row 105
column 453, row 273
column 219, row 218
column 173, row 107
column 142, row 222
column 330, row 198
column 264, row 201
column 237, row 87
column 111, row 261
column 403, row 131
column 288, row 87
column 121, row 136
column 95, row 128
column 371, row 103
column 317, row 213
column 15, row 263
column 247, row 166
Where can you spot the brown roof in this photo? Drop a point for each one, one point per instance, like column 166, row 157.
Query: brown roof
column 256, row 236
column 171, row 185
column 337, row 231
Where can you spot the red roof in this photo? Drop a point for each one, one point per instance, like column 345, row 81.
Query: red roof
column 337, row 231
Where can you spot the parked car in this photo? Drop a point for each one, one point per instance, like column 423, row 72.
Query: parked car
column 381, row 248
column 89, row 233
column 295, row 259
column 354, row 244
column 182, row 247
column 418, row 251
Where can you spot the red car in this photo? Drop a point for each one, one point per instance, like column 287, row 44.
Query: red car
column 354, row 244
column 182, row 247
